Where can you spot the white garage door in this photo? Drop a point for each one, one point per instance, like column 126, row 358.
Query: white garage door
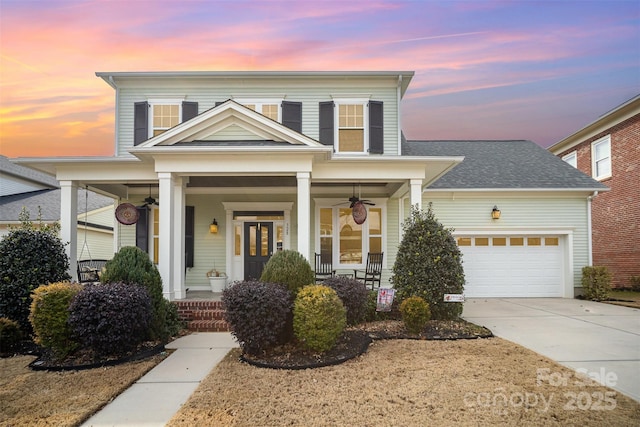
column 512, row 266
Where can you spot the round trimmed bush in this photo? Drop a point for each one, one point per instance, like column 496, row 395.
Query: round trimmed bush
column 132, row 265
column 353, row 294
column 111, row 319
column 415, row 314
column 50, row 314
column 30, row 256
column 259, row 314
column 429, row 264
column 10, row 334
column 319, row 317
column 289, row 268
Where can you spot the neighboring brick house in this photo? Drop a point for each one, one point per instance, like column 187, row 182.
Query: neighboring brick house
column 609, row 150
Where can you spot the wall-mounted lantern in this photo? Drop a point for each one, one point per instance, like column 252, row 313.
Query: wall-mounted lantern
column 495, row 213
column 213, row 227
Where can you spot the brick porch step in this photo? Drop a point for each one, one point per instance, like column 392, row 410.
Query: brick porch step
column 202, row 315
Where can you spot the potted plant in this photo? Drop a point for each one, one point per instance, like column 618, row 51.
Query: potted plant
column 217, row 280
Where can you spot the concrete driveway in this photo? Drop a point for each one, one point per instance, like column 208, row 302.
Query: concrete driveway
column 600, row 340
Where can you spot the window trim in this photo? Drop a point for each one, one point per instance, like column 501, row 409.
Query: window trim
column 364, row 101
column 571, row 158
column 594, row 170
column 335, row 205
column 153, row 102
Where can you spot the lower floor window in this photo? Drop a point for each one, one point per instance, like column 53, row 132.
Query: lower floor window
column 345, row 241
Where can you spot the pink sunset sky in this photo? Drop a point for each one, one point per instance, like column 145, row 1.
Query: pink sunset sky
column 537, row 70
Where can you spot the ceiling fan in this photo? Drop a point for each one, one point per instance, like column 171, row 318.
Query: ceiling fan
column 148, row 201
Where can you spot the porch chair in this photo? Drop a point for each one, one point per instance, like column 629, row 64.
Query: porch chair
column 323, row 267
column 89, row 270
column 372, row 275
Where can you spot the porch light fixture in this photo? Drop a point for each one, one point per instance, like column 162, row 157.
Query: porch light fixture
column 495, row 213
column 213, row 227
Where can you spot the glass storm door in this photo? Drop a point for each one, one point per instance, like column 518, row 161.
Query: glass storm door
column 258, row 248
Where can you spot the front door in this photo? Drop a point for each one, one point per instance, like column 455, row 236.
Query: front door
column 258, row 248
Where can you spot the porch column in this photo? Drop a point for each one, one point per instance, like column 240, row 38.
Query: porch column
column 304, row 213
column 166, row 235
column 416, row 192
column 69, row 223
column 179, row 271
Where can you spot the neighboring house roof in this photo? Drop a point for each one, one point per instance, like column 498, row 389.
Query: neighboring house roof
column 44, row 196
column 502, row 165
column 619, row 114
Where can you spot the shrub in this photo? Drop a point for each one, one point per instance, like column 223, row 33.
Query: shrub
column 30, row 256
column 415, row 314
column 111, row 319
column 289, row 268
column 259, row 314
column 429, row 264
column 353, row 294
column 132, row 265
column 174, row 323
column 596, row 283
column 10, row 334
column 319, row 317
column 50, row 314
column 635, row 283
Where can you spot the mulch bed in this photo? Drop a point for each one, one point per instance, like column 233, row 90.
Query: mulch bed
column 355, row 341
column 86, row 359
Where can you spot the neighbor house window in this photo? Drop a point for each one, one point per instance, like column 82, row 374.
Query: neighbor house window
column 572, row 159
column 601, row 158
column 347, row 242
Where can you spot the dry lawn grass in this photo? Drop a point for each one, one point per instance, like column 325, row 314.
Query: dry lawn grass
column 67, row 398
column 408, row 383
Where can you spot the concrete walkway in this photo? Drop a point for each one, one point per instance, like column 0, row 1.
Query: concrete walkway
column 602, row 340
column 158, row 395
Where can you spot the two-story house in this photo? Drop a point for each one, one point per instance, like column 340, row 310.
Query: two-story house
column 608, row 149
column 217, row 170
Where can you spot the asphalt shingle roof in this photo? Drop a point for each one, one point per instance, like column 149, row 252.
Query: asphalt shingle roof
column 516, row 164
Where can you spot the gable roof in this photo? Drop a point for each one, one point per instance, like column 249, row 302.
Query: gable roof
column 196, row 131
column 603, row 123
column 502, row 165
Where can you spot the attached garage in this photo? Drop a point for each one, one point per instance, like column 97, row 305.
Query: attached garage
column 512, row 266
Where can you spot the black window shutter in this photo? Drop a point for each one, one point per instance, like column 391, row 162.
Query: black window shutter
column 292, row 115
column 189, row 228
column 189, row 110
column 140, row 122
column 326, row 123
column 376, row 129
column 142, row 229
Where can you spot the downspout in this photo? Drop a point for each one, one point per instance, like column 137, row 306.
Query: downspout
column 117, row 122
column 399, row 98
column 590, row 232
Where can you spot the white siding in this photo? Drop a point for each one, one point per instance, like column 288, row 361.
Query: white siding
column 520, row 212
column 308, row 91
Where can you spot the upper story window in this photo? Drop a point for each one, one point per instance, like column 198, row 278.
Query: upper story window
column 268, row 110
column 571, row 158
column 164, row 117
column 269, row 107
column 601, row 158
column 155, row 116
column 352, row 126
